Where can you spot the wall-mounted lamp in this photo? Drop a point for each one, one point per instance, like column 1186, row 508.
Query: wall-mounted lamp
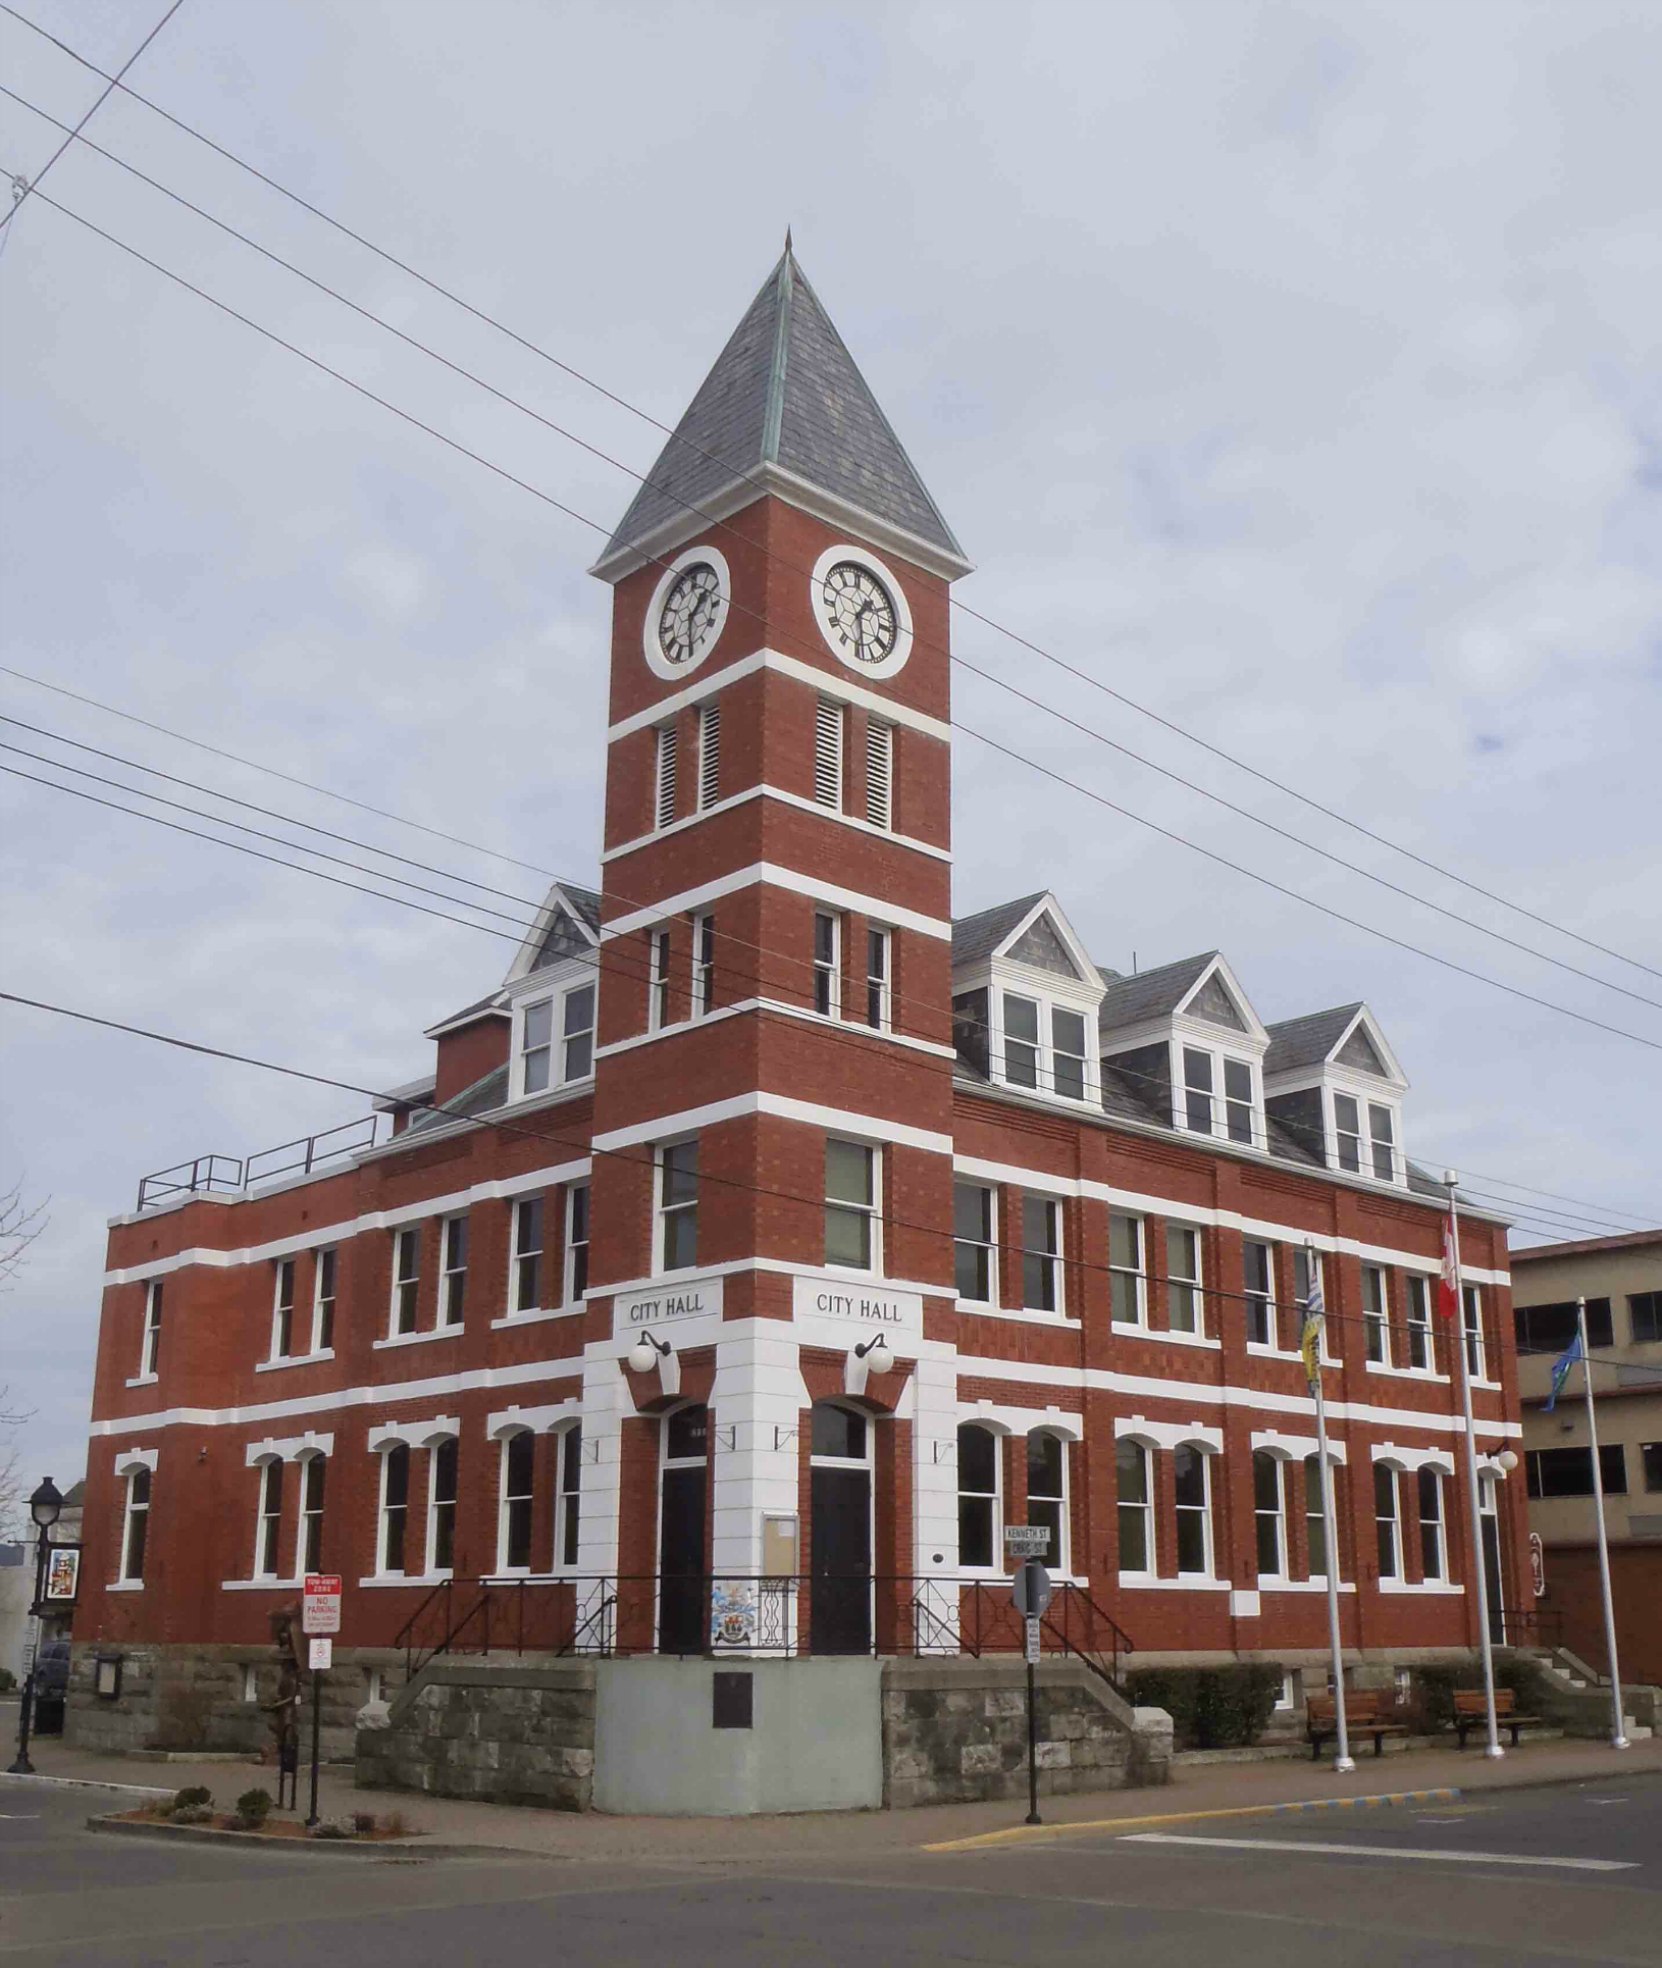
column 647, row 1353
column 1507, row 1461
column 876, row 1354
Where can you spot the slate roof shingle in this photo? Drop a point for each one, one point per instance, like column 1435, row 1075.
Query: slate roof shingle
column 1150, row 993
column 978, row 936
column 1306, row 1040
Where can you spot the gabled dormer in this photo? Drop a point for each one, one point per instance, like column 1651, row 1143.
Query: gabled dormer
column 1185, row 1044
column 1024, row 1001
column 1335, row 1085
column 551, row 995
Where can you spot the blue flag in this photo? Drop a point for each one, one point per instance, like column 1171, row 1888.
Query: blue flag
column 1561, row 1372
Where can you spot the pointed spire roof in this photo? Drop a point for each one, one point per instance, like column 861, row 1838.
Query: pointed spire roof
column 785, row 410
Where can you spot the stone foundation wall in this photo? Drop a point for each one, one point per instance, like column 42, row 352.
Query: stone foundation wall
column 955, row 1732
column 520, row 1734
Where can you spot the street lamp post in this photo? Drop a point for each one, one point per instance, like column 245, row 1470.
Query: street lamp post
column 45, row 1507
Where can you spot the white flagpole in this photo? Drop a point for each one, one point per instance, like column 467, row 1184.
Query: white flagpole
column 1617, row 1739
column 1343, row 1761
column 1480, row 1579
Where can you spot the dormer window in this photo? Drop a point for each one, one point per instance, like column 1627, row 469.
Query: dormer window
column 554, row 1040
column 1183, row 1043
column 1220, row 1096
column 1044, row 1047
column 1024, row 1001
column 1372, row 1152
column 1335, row 1092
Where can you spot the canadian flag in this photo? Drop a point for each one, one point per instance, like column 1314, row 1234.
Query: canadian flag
column 1448, row 1286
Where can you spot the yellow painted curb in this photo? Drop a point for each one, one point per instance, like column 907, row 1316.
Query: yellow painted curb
column 1014, row 1834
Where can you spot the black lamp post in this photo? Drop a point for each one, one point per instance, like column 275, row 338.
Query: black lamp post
column 45, row 1507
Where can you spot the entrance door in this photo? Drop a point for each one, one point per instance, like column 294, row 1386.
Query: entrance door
column 840, row 1497
column 683, row 1590
column 1494, row 1584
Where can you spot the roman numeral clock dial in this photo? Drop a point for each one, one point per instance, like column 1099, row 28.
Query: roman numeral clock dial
column 687, row 613
column 859, row 613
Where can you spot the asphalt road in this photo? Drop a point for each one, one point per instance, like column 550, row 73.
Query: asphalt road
column 1426, row 1886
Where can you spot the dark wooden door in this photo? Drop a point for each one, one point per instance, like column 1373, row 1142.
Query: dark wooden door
column 683, row 1589
column 840, row 1600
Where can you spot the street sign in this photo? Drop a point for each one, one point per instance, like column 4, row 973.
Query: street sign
column 320, row 1655
column 1027, row 1540
column 1030, row 1640
column 320, row 1604
column 1031, row 1589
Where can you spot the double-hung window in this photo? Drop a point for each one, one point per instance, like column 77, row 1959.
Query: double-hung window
column 1382, row 1142
column 828, row 946
column 151, row 1345
column 527, row 1254
column 1471, row 1319
column 269, row 1528
column 1238, row 1103
column 973, row 1242
column 441, row 1506
column 657, row 990
column 314, row 1472
column 880, row 773
column 1417, row 1291
column 851, row 1205
column 1315, row 1519
column 1269, row 1504
column 1376, row 1316
column 663, row 791
column 135, row 1528
column 406, row 1277
column 1021, row 1040
column 395, row 1509
column 703, row 966
column 513, row 1549
column 453, row 1283
column 1197, row 1090
column 577, row 1034
column 282, row 1309
column 1229, row 1109
column 1067, row 1053
column 1192, row 1485
column 1125, row 1269
column 978, row 1496
column 878, row 954
column 1258, row 1276
column 1387, row 1520
column 1135, row 1509
column 537, row 1057
column 323, row 1300
column 569, row 1502
column 1047, row 1493
column 535, row 1046
column 678, row 1206
column 577, row 1242
column 1644, row 1310
column 1184, row 1312
column 1433, row 1560
column 1347, row 1128
column 1041, row 1254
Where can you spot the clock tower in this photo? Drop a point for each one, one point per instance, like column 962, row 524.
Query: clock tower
column 772, row 1187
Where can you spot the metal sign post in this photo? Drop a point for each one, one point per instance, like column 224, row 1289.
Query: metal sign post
column 319, row 1621
column 1030, row 1590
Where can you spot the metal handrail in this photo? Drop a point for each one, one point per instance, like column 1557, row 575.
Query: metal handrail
column 226, row 1174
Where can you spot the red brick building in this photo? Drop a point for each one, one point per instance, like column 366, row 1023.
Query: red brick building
column 934, row 1226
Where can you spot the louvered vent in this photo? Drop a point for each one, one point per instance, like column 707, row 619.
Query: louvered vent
column 709, row 756
column 665, row 810
column 880, row 774
column 828, row 754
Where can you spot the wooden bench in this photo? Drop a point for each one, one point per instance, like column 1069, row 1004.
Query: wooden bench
column 1365, row 1715
column 1471, row 1711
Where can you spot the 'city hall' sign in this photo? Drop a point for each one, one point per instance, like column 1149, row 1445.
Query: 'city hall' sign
column 865, row 1309
column 671, row 1305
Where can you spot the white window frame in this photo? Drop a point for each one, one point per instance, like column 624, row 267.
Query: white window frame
column 989, row 1196
column 556, row 1047
column 1416, row 1290
column 1318, row 1276
column 1059, row 1561
column 452, row 1309
column 505, row 1500
column 407, row 1237
column 666, row 745
column 658, row 978
column 524, row 1258
column 570, row 1295
column 1138, row 1274
column 1278, row 1514
column 284, row 1278
column 993, row 1499
column 135, row 1510
column 879, row 977
column 568, row 1037
column 1052, row 1259
column 1144, row 1510
column 150, row 1341
column 306, row 1557
column 1343, row 1134
column 430, row 1554
column 383, row 1514
column 827, row 1001
column 568, row 1496
column 1219, row 1100
column 1376, row 1110
column 1313, row 1513
column 325, row 1303
column 1263, row 1297
column 661, row 1211
column 1438, row 1525
column 1376, row 1317
column 1393, row 1486
column 268, row 1523
column 1194, row 1286
column 1471, row 1332
column 703, row 965
column 1203, row 1510
column 1057, row 1052
column 871, row 1210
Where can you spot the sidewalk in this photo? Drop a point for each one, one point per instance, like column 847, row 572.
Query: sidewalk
column 841, row 1835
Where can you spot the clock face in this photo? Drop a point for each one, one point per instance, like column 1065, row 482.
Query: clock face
column 858, row 614
column 690, row 615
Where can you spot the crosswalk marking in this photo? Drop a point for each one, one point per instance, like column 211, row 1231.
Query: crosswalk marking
column 1438, row 1854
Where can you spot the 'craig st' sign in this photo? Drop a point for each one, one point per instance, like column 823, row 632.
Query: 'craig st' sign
column 823, row 1301
column 693, row 1303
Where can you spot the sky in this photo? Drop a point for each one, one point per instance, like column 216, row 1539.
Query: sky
column 1290, row 370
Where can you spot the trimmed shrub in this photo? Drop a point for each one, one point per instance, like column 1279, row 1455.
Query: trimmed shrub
column 1210, row 1707
column 333, row 1828
column 253, row 1808
column 8, row 1680
column 363, row 1823
column 192, row 1814
column 192, row 1795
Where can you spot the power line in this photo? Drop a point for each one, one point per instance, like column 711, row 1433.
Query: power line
column 963, row 608
column 1503, row 1182
column 1040, row 704
column 114, row 84
column 558, row 505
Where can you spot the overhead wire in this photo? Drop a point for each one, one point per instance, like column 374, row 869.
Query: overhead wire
column 1289, row 790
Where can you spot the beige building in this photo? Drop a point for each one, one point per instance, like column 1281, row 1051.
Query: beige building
column 1621, row 1280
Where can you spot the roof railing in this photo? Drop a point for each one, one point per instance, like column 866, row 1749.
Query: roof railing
column 228, row 1175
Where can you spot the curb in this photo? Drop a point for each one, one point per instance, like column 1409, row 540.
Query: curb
column 380, row 1848
column 88, row 1783
column 1019, row 1834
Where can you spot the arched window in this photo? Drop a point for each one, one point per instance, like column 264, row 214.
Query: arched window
column 268, row 1524
column 570, row 1498
column 1047, row 1492
column 441, row 1504
column 1387, row 1511
column 1135, row 1509
column 978, row 1496
column 1193, row 1486
column 313, row 1474
column 135, row 1528
column 395, row 1508
column 1315, row 1524
column 1433, row 1557
column 513, row 1536
column 1269, row 1513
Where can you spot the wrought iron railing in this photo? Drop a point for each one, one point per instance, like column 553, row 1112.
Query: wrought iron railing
column 1527, row 1626
column 223, row 1174
column 752, row 1615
